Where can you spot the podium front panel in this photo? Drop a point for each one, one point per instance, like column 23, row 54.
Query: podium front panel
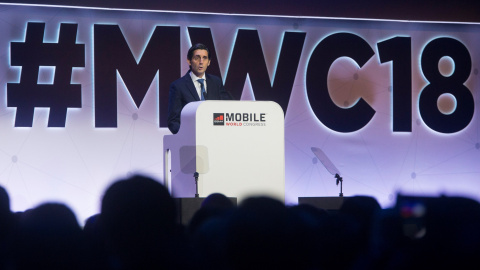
column 243, row 155
column 237, row 147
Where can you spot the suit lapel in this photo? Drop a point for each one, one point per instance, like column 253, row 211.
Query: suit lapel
column 210, row 87
column 191, row 87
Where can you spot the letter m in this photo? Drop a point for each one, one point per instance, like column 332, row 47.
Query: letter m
column 112, row 54
column 230, row 117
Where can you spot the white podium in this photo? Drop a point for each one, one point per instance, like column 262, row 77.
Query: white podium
column 237, row 148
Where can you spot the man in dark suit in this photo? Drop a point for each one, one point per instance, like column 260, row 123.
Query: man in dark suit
column 196, row 85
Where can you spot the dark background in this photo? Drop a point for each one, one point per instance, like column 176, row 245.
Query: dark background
column 429, row 10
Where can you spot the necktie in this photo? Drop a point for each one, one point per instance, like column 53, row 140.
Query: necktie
column 202, row 87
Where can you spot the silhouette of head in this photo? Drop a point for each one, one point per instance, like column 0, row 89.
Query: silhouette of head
column 218, row 201
column 50, row 238
column 4, row 201
column 362, row 208
column 137, row 204
column 137, row 215
column 6, row 216
column 261, row 235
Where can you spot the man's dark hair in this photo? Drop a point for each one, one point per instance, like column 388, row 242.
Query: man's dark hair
column 198, row 46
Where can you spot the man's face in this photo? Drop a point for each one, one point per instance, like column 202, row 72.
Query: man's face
column 199, row 62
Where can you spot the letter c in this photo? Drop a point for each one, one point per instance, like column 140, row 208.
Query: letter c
column 327, row 51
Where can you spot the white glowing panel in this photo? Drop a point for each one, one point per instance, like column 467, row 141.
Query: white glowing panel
column 236, row 147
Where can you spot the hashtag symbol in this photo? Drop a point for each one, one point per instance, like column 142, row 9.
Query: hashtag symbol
column 33, row 53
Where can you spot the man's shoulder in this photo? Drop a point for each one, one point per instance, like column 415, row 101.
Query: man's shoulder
column 181, row 80
column 214, row 78
column 211, row 76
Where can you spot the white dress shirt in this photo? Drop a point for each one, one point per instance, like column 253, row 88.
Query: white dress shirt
column 198, row 87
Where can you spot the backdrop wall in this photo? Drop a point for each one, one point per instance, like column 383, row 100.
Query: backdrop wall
column 83, row 96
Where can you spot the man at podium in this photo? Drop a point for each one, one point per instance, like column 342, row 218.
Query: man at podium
column 196, row 85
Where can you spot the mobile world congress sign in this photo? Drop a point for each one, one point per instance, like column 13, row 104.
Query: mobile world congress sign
column 84, row 98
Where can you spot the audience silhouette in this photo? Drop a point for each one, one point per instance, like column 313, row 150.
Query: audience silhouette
column 6, row 230
column 137, row 229
column 138, row 222
column 49, row 237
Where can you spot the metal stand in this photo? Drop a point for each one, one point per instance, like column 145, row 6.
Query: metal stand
column 195, row 174
column 339, row 180
column 329, row 166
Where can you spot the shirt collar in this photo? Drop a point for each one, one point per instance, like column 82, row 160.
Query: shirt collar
column 195, row 78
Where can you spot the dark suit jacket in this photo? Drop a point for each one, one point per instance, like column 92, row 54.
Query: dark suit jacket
column 182, row 91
